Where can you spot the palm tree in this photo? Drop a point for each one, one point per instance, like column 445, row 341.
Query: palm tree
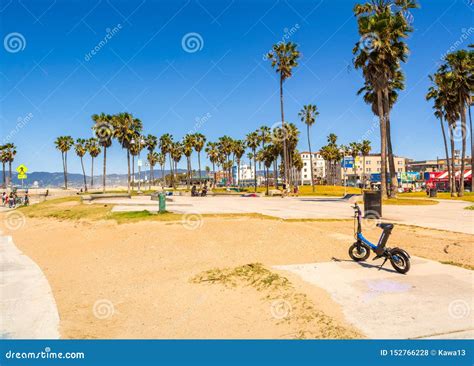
column 4, row 159
column 212, row 152
column 166, row 145
column 383, row 26
column 63, row 144
column 252, row 141
column 460, row 66
column 332, row 154
column 439, row 94
column 239, row 150
column 137, row 143
column 199, row 142
column 10, row 151
column 103, row 129
column 151, row 142
column 126, row 128
column 161, row 160
column 284, row 58
column 267, row 156
column 153, row 158
column 308, row 116
column 81, row 150
column 225, row 146
column 93, row 147
column 188, row 145
column 176, row 153
column 365, row 151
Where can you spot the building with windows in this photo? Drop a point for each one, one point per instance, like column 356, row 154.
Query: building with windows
column 319, row 168
column 372, row 165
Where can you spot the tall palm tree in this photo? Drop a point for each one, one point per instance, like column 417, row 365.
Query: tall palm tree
column 460, row 66
column 438, row 93
column 126, row 128
column 253, row 141
column 176, row 154
column 284, row 58
column 212, row 152
column 161, row 160
column 103, row 130
column 81, row 150
column 225, row 146
column 166, row 145
column 188, row 145
column 93, row 147
column 239, row 151
column 308, row 116
column 267, row 156
column 199, row 142
column 380, row 51
column 153, row 158
column 4, row 159
column 151, row 142
column 365, row 149
column 63, row 144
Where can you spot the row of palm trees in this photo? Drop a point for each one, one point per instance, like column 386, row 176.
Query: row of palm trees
column 7, row 156
column 452, row 86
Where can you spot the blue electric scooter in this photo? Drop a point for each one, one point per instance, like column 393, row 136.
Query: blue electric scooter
column 360, row 250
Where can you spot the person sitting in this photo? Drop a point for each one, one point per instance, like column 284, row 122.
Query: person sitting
column 204, row 191
column 193, row 191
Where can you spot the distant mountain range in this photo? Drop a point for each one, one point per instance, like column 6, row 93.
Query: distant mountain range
column 47, row 179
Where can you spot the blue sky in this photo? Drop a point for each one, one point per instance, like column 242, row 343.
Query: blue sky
column 52, row 85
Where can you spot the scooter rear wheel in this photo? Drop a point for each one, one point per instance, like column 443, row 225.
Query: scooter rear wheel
column 359, row 252
column 400, row 261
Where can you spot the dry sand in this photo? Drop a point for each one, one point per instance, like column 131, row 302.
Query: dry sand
column 138, row 275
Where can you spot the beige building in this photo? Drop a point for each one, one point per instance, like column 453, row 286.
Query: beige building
column 319, row 168
column 372, row 166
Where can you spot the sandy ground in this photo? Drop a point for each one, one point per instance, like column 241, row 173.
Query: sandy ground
column 134, row 280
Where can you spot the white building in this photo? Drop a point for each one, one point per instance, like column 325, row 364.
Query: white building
column 319, row 167
column 247, row 173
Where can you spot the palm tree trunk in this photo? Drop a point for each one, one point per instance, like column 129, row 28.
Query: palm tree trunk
column 133, row 170
column 65, row 168
column 266, row 178
column 128, row 171
column 275, row 173
column 445, row 147
column 214, row 171
column 4, row 176
column 391, row 159
column 171, row 172
column 363, row 172
column 92, row 172
column 472, row 145
column 255, row 170
column 453, row 167
column 104, row 171
column 310, row 159
column 10, row 172
column 238, row 171
column 285, row 153
column 163, row 181
column 199, row 165
column 462, row 109
column 187, row 172
column 383, row 145
column 84, row 175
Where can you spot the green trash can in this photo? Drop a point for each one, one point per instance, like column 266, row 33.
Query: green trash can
column 162, row 202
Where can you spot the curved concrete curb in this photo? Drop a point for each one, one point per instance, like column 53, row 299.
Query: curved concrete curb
column 27, row 306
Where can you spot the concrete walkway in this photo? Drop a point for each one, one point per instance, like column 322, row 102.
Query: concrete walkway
column 446, row 215
column 27, row 306
column 432, row 300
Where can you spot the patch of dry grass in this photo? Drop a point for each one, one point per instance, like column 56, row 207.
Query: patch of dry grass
column 288, row 305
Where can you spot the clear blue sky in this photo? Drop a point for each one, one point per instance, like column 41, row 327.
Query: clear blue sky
column 143, row 69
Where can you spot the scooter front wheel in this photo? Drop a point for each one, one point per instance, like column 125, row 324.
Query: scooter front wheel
column 400, row 261
column 359, row 252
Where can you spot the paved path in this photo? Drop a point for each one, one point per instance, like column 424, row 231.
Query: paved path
column 27, row 306
column 446, row 215
column 433, row 300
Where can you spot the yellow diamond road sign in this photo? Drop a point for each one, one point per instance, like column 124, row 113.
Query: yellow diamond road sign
column 22, row 169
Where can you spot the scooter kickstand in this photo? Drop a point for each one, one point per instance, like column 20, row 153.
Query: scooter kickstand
column 383, row 263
